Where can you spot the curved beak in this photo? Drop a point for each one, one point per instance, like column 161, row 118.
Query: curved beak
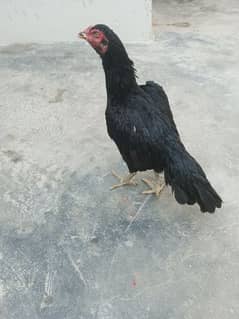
column 82, row 35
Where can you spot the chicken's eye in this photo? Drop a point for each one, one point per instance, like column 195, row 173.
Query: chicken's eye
column 96, row 34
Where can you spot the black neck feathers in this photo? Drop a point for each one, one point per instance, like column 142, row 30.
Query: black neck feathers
column 120, row 78
column 119, row 69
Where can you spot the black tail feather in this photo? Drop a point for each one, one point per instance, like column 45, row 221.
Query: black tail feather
column 189, row 183
column 208, row 199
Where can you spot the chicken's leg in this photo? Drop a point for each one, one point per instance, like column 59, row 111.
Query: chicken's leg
column 127, row 180
column 156, row 186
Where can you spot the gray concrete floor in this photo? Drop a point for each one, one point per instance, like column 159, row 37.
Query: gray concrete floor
column 70, row 248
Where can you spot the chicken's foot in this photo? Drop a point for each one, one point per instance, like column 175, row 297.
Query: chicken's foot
column 127, row 180
column 156, row 186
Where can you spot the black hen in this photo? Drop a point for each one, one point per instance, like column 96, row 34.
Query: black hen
column 141, row 123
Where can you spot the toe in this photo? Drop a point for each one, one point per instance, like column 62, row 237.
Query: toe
column 148, row 182
column 150, row 191
column 115, row 186
column 116, row 175
column 159, row 189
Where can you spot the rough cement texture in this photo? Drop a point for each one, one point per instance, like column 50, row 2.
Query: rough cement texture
column 70, row 248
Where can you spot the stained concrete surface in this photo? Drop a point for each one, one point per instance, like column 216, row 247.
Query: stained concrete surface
column 70, row 248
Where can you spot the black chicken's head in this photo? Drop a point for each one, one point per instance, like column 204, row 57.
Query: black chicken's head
column 112, row 52
column 102, row 39
column 96, row 37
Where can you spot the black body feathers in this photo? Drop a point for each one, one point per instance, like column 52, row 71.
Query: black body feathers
column 140, row 121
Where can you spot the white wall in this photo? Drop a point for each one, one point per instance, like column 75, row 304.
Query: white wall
column 60, row 20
